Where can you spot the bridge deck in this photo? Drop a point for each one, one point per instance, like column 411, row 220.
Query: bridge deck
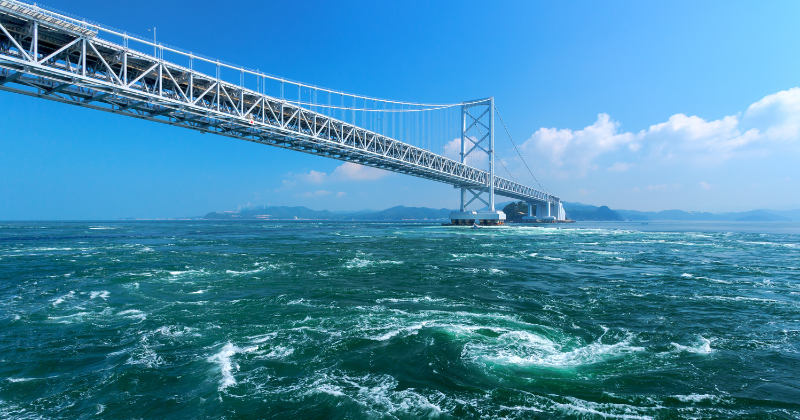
column 49, row 56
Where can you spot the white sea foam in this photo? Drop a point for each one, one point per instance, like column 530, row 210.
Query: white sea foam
column 176, row 331
column 226, row 366
column 61, row 299
column 277, row 353
column 245, row 272
column 12, row 411
column 186, row 274
column 599, row 252
column 199, row 292
column 526, row 348
column 545, row 257
column 604, row 410
column 459, row 257
column 69, row 319
column 258, row 339
column 521, row 408
column 302, row 302
column 407, row 330
column 103, row 294
column 133, row 313
column 744, row 298
column 358, row 263
column 144, row 355
column 378, row 395
column 701, row 347
column 412, row 300
column 14, row 380
column 695, row 398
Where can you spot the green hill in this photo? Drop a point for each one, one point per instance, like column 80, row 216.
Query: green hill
column 515, row 211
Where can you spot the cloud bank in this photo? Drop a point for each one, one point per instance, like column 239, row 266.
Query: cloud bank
column 766, row 126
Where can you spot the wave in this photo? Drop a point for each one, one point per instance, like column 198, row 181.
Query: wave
column 15, row 380
column 378, row 394
column 226, row 366
column 103, row 294
column 61, row 299
column 703, row 346
column 144, row 354
column 525, row 348
column 133, row 313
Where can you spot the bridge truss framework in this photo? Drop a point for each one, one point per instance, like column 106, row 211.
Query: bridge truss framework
column 51, row 56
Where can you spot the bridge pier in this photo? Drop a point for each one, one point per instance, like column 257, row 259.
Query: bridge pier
column 481, row 142
column 484, row 218
column 545, row 212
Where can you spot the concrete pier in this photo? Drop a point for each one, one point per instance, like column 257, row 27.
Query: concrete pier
column 484, row 218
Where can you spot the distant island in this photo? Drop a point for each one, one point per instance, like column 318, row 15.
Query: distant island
column 588, row 212
column 514, row 212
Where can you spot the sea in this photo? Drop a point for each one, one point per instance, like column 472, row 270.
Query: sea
column 399, row 320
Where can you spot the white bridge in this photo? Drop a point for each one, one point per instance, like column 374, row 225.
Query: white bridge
column 50, row 55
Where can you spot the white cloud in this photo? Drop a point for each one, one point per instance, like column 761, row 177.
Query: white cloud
column 772, row 121
column 777, row 116
column 572, row 153
column 347, row 171
column 354, row 171
column 341, row 194
column 620, row 167
column 694, row 138
column 704, row 185
column 314, row 177
column 452, row 150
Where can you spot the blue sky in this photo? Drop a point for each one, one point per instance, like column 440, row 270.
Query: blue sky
column 636, row 105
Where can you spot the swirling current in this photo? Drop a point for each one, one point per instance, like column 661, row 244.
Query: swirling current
column 124, row 320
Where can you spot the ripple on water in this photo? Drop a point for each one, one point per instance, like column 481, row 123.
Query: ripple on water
column 396, row 321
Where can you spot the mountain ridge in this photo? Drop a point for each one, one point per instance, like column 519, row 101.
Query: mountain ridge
column 574, row 210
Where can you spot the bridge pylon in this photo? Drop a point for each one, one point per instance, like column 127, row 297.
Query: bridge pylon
column 477, row 138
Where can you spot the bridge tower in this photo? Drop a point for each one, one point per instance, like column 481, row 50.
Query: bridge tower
column 477, row 138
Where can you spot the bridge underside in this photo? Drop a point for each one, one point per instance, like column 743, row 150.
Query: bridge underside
column 52, row 58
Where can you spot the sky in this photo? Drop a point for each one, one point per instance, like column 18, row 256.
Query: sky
column 636, row 105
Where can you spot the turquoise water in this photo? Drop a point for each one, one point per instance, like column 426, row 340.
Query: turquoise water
column 399, row 320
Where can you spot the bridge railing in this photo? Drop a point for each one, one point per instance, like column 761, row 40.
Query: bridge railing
column 53, row 57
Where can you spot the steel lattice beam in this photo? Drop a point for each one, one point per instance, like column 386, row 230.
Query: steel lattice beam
column 66, row 62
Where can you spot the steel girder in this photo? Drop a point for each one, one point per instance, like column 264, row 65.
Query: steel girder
column 50, row 58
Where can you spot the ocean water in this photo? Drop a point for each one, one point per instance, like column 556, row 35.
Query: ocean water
column 129, row 320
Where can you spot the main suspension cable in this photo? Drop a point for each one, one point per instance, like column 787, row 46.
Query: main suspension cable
column 498, row 159
column 518, row 152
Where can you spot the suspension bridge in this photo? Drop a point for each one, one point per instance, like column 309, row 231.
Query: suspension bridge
column 52, row 55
